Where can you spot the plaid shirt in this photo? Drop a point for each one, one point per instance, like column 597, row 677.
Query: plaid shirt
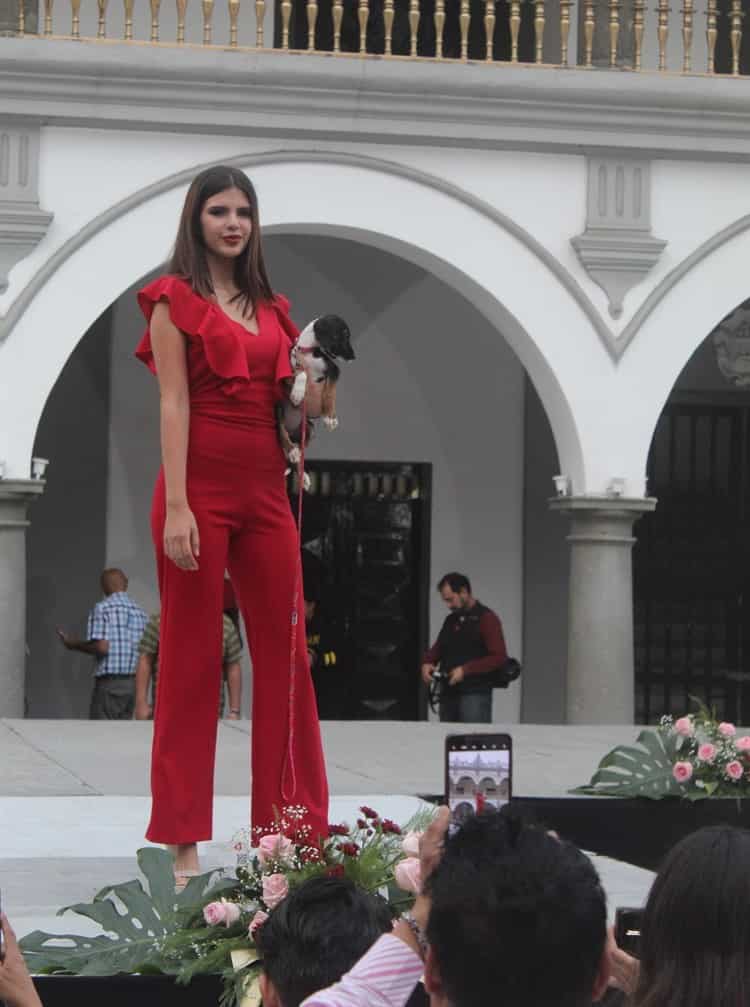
column 120, row 622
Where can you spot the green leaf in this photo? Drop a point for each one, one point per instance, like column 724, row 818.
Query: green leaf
column 135, row 922
column 630, row 771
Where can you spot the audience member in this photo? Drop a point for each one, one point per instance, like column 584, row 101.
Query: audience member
column 695, row 931
column 16, row 985
column 314, row 936
column 514, row 917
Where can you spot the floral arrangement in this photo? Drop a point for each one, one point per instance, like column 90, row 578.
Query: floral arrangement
column 695, row 757
column 209, row 928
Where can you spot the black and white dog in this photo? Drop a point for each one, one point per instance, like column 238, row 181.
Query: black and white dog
column 314, row 356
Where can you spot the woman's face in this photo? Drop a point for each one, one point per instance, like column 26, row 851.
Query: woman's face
column 226, row 223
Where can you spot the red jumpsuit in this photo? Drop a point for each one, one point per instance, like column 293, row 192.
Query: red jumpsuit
column 237, row 493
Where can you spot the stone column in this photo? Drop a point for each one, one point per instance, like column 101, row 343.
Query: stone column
column 15, row 497
column 600, row 670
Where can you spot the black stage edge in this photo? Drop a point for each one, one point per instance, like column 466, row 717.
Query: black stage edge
column 635, row 830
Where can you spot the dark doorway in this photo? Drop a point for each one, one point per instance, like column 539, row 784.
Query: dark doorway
column 366, row 547
column 691, row 569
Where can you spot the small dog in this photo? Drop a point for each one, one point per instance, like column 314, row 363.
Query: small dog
column 321, row 343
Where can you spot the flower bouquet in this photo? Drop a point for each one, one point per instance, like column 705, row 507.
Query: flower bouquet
column 208, row 929
column 693, row 757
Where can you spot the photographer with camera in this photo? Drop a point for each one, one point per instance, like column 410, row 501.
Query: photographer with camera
column 469, row 647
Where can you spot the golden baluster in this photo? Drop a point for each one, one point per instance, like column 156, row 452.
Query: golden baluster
column 75, row 28
column 21, row 18
column 47, row 17
column 155, row 5
column 260, row 17
column 414, row 24
column 589, row 24
column 515, row 27
column 712, row 13
column 639, row 19
column 286, row 14
column 312, row 20
column 614, row 30
column 735, row 34
column 565, row 6
column 538, row 30
column 489, row 26
column 208, row 15
column 101, row 29
column 439, row 27
column 388, row 15
column 363, row 15
column 181, row 12
column 338, row 16
column 464, row 20
column 128, row 5
column 663, row 32
column 234, row 13
column 687, row 35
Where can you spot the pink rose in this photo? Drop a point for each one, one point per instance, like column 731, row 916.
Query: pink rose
column 410, row 844
column 408, row 875
column 682, row 771
column 275, row 888
column 707, row 752
column 734, row 770
column 258, row 920
column 231, row 913
column 743, row 743
column 275, row 849
column 215, row 913
column 684, row 726
column 727, row 730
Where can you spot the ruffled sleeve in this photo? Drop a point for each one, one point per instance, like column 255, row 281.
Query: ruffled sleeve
column 198, row 319
column 290, row 335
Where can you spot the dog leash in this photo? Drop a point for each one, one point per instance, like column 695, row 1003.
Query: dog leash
column 288, row 766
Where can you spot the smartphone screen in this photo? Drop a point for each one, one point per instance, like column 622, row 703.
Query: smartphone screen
column 478, row 770
column 628, row 930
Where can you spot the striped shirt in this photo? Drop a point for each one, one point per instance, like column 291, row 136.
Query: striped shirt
column 384, row 977
column 120, row 622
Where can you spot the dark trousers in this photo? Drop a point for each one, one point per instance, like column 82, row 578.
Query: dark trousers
column 113, row 698
column 466, row 707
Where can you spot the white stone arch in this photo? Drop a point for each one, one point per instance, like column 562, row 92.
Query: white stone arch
column 516, row 283
column 674, row 321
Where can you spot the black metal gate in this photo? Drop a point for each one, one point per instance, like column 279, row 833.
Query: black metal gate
column 690, row 566
column 367, row 526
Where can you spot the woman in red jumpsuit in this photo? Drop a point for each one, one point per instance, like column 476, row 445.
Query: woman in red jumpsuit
column 219, row 341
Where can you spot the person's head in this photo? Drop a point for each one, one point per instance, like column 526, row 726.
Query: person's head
column 455, row 590
column 695, row 931
column 518, row 918
column 314, row 936
column 113, row 580
column 220, row 223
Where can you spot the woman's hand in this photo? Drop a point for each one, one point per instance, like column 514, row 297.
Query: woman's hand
column 181, row 538
column 16, row 985
column 624, row 969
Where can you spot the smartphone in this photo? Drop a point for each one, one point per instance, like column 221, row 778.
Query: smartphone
column 628, row 930
column 478, row 773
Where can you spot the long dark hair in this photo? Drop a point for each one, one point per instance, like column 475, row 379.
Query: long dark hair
column 695, row 936
column 189, row 255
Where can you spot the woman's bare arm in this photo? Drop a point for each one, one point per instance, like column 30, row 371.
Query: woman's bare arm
column 181, row 541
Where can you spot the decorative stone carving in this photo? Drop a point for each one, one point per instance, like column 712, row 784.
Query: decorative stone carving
column 731, row 339
column 23, row 223
column 617, row 248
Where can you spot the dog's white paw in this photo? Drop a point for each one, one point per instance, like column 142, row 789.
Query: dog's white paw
column 330, row 422
column 299, row 387
column 294, row 456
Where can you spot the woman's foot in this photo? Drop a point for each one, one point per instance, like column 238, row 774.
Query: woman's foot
column 186, row 864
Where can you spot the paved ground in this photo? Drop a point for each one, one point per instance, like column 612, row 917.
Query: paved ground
column 74, row 797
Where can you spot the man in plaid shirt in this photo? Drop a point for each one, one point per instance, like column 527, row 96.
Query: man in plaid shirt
column 114, row 630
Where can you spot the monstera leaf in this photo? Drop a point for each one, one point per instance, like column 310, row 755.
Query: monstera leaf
column 628, row 771
column 134, row 922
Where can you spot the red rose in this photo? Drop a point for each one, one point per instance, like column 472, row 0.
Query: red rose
column 368, row 812
column 388, row 826
column 348, row 849
column 361, row 823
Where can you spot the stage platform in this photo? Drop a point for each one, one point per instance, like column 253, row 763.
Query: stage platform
column 74, row 797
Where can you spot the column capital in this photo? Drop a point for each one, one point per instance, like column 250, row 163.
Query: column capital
column 15, row 497
column 607, row 506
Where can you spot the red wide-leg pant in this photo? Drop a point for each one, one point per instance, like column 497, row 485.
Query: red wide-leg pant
column 236, row 490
